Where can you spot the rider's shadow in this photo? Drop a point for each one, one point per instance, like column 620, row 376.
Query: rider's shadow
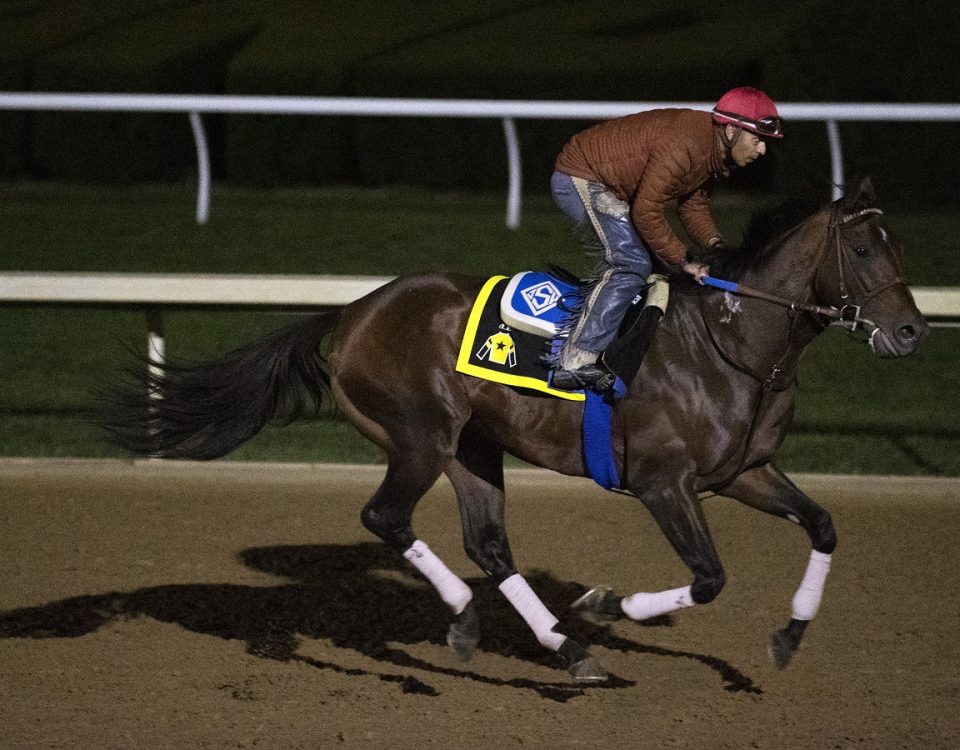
column 360, row 597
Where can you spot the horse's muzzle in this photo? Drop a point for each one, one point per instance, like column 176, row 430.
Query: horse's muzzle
column 901, row 343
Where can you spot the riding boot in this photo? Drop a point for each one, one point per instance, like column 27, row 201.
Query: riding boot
column 580, row 363
column 581, row 370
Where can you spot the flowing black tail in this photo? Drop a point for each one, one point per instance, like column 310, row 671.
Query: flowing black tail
column 205, row 410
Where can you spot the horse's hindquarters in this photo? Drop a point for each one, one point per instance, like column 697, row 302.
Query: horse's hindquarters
column 393, row 359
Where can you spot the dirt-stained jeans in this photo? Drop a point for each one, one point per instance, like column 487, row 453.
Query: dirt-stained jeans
column 626, row 260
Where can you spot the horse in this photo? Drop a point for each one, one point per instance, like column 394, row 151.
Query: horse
column 704, row 415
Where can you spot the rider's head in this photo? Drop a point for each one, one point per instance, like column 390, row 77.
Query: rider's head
column 747, row 111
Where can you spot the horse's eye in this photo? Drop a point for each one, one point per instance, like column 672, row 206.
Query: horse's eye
column 861, row 251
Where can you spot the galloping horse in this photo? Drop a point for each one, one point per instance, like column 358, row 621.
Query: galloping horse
column 705, row 413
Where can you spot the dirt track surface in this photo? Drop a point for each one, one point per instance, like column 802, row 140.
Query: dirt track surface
column 149, row 605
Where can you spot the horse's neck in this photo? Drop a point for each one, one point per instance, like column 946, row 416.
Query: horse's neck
column 759, row 337
column 790, row 269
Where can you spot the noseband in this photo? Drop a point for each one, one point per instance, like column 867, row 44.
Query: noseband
column 848, row 315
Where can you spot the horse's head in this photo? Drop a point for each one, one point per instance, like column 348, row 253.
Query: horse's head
column 861, row 273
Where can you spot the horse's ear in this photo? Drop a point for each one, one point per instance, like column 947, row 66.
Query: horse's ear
column 861, row 196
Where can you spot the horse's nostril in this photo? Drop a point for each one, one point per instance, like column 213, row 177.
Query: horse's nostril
column 906, row 334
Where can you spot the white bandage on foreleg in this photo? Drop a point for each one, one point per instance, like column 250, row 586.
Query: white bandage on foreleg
column 642, row 606
column 533, row 611
column 454, row 592
column 806, row 601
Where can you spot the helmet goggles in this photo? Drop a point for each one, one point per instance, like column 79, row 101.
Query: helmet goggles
column 771, row 125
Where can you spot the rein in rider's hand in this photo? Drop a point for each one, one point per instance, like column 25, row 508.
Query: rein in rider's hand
column 697, row 270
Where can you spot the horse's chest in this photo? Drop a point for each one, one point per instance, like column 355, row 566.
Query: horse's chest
column 719, row 426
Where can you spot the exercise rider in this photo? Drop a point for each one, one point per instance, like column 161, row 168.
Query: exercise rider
column 616, row 179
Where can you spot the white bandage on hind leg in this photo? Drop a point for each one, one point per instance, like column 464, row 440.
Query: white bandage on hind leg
column 532, row 610
column 806, row 601
column 454, row 592
column 642, row 606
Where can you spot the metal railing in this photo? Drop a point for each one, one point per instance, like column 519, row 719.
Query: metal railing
column 508, row 111
column 155, row 291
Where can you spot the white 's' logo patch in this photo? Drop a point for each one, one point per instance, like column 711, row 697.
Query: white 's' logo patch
column 541, row 297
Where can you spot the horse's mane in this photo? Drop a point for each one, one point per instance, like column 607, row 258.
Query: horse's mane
column 766, row 230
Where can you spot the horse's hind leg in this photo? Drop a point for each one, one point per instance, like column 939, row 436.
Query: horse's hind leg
column 389, row 514
column 767, row 489
column 476, row 474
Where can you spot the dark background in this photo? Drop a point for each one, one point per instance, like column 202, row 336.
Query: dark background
column 799, row 51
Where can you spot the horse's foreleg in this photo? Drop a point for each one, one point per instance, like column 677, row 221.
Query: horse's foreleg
column 477, row 477
column 767, row 489
column 678, row 513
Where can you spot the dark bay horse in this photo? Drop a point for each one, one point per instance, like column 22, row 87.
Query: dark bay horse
column 706, row 412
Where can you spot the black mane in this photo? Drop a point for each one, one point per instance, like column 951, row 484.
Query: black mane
column 761, row 236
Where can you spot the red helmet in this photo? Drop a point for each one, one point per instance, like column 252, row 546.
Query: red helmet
column 747, row 107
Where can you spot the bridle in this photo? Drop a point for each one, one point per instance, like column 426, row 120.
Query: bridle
column 848, row 314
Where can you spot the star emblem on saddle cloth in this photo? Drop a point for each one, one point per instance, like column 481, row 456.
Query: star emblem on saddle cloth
column 499, row 349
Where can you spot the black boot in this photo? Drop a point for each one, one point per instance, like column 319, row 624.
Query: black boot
column 589, row 377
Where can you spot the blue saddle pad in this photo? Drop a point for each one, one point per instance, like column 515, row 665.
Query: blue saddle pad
column 537, row 302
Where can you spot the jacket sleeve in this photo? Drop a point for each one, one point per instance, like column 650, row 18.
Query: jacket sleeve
column 664, row 170
column 694, row 212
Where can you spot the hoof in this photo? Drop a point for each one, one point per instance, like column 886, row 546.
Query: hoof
column 780, row 650
column 462, row 645
column 600, row 601
column 584, row 668
column 464, row 633
column 783, row 644
column 588, row 671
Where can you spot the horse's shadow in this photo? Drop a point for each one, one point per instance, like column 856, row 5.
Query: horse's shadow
column 359, row 597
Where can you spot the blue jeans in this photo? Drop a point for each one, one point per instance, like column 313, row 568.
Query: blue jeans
column 625, row 265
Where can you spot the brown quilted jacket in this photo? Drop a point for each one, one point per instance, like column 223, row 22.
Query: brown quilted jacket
column 648, row 160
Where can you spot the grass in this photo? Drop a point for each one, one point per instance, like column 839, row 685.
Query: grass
column 855, row 413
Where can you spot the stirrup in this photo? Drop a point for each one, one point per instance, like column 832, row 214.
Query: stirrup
column 589, row 377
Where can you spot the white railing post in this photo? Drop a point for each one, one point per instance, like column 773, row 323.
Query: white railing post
column 514, row 172
column 836, row 159
column 203, row 168
column 156, row 343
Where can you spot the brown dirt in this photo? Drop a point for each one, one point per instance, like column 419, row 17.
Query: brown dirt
column 149, row 605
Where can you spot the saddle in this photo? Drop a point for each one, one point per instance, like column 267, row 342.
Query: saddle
column 510, row 348
column 544, row 304
column 517, row 322
column 538, row 303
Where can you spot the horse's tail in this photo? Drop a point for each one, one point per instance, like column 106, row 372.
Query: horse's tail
column 204, row 410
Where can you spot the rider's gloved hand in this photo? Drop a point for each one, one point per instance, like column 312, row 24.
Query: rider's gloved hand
column 697, row 270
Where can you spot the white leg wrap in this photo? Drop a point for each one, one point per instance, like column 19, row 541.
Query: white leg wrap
column 532, row 610
column 454, row 592
column 806, row 601
column 642, row 606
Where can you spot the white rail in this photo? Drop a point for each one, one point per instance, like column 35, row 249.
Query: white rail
column 506, row 110
column 155, row 292
column 184, row 289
